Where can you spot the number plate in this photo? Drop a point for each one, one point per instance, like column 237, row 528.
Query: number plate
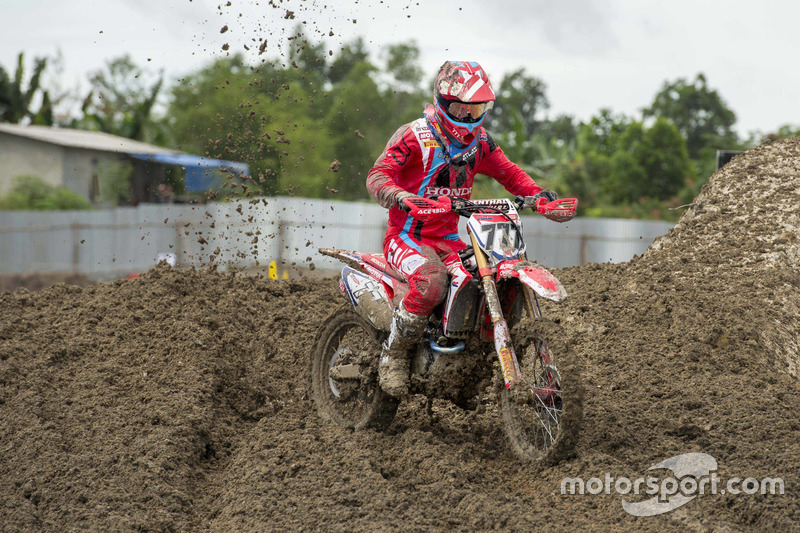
column 497, row 235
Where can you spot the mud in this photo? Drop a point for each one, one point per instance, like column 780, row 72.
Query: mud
column 41, row 280
column 178, row 401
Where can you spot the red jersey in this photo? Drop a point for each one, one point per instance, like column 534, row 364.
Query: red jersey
column 415, row 161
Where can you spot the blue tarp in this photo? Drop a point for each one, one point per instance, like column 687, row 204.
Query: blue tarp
column 201, row 174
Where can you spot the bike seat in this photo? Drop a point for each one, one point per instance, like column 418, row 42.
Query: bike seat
column 379, row 261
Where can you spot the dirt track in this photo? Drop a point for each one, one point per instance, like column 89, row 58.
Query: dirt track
column 178, row 401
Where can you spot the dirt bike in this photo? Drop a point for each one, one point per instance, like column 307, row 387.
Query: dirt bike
column 538, row 381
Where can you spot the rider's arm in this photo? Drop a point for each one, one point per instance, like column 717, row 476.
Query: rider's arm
column 382, row 180
column 495, row 164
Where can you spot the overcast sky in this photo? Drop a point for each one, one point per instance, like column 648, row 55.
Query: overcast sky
column 590, row 53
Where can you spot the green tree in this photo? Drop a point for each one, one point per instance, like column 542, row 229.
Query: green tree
column 520, row 98
column 648, row 163
column 219, row 112
column 583, row 178
column 357, row 121
column 402, row 64
column 121, row 102
column 33, row 193
column 665, row 159
column 290, row 130
column 263, row 118
column 563, row 129
column 403, row 97
column 699, row 112
column 309, row 58
column 624, row 167
column 17, row 96
column 590, row 175
column 348, row 57
column 601, row 134
column 541, row 153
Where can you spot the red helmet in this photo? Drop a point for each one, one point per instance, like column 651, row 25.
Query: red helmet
column 462, row 94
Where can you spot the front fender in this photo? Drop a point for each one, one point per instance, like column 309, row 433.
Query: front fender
column 534, row 276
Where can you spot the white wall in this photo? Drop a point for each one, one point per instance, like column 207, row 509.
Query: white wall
column 20, row 156
column 113, row 242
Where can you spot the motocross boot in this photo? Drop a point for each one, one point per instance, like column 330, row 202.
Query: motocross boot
column 393, row 370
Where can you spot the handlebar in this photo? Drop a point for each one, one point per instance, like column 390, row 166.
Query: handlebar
column 560, row 210
column 466, row 208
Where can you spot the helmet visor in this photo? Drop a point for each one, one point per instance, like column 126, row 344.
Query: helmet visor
column 464, row 112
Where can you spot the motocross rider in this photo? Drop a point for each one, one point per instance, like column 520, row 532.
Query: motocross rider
column 425, row 163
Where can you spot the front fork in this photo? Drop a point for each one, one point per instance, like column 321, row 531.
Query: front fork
column 502, row 337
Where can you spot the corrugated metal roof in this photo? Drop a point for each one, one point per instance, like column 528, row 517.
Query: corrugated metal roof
column 90, row 140
column 198, row 175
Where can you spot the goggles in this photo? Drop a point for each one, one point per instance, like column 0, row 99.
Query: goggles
column 465, row 112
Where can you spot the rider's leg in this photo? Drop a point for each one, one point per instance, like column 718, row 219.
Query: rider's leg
column 427, row 279
column 393, row 370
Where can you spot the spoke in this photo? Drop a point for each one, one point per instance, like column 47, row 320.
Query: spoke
column 550, row 410
column 545, row 426
column 548, row 387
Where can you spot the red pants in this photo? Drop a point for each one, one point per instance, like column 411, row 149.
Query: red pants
column 426, row 264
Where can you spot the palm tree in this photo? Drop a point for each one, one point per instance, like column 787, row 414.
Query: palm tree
column 121, row 103
column 15, row 103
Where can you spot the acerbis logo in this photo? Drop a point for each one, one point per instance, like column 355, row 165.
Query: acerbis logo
column 693, row 474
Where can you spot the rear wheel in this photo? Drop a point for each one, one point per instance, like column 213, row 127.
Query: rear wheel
column 543, row 411
column 344, row 373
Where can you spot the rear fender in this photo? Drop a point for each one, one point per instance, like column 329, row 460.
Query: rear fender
column 534, row 276
column 364, row 263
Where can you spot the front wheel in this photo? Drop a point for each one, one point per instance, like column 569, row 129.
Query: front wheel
column 344, row 373
column 543, row 411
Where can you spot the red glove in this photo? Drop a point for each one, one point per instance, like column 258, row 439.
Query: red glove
column 559, row 210
column 426, row 209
